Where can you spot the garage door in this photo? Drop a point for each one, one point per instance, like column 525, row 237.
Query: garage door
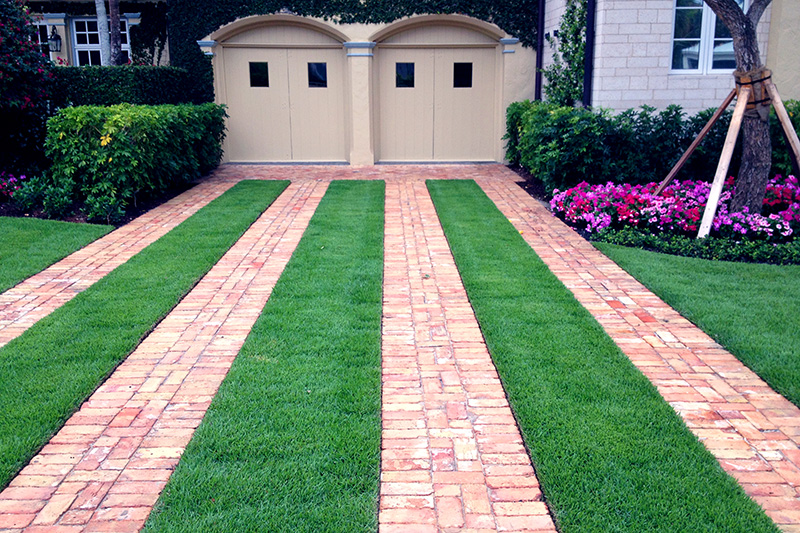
column 437, row 103
column 285, row 103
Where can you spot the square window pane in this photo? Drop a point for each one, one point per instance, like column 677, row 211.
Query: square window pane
column 83, row 58
column 723, row 55
column 462, row 75
column 317, row 74
column 80, row 38
column 94, row 38
column 259, row 74
column 688, row 23
column 685, row 55
column 80, row 25
column 91, row 25
column 404, row 74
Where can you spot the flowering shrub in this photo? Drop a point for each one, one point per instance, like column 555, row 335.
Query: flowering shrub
column 9, row 185
column 679, row 210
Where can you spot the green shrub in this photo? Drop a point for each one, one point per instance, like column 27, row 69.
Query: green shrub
column 563, row 146
column 141, row 85
column 751, row 251
column 105, row 159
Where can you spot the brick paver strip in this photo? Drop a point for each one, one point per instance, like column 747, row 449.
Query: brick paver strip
column 38, row 296
column 452, row 456
column 752, row 430
column 105, row 469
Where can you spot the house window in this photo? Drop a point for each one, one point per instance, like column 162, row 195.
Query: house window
column 700, row 42
column 87, row 41
column 41, row 38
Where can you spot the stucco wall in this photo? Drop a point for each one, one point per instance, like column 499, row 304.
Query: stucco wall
column 784, row 47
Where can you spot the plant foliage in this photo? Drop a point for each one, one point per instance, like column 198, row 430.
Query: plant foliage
column 107, row 158
column 565, row 75
column 191, row 20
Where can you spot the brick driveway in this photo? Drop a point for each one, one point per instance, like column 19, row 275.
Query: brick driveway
column 452, row 457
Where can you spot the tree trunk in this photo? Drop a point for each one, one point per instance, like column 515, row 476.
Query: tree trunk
column 102, row 29
column 751, row 184
column 116, row 37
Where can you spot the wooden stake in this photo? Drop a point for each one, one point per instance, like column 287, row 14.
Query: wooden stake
column 786, row 122
column 688, row 153
column 724, row 161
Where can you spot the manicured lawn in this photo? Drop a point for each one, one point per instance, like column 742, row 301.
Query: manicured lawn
column 29, row 245
column 49, row 370
column 610, row 453
column 753, row 310
column 291, row 441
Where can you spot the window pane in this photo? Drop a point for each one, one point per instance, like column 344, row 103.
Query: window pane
column 80, row 25
column 723, row 55
column 94, row 38
column 685, row 55
column 259, row 74
column 80, row 38
column 317, row 74
column 94, row 57
column 462, row 75
column 721, row 31
column 688, row 23
column 83, row 58
column 91, row 25
column 689, row 3
column 404, row 74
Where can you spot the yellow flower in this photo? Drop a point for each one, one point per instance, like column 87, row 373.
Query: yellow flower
column 105, row 139
column 109, row 159
column 61, row 135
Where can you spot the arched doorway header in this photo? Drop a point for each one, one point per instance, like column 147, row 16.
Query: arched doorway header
column 256, row 21
column 463, row 21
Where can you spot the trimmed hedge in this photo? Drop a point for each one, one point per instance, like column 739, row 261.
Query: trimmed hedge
column 563, row 146
column 721, row 249
column 105, row 159
column 140, row 85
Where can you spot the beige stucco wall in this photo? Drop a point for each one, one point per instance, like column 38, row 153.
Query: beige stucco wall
column 361, row 47
column 784, row 47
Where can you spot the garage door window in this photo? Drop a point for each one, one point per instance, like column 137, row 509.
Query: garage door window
column 317, row 75
column 462, row 75
column 404, row 75
column 259, row 74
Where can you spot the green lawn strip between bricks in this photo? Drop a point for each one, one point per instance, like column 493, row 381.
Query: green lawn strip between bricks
column 291, row 441
column 29, row 245
column 610, row 453
column 753, row 310
column 49, row 370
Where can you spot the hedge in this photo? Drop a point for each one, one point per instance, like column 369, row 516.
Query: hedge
column 190, row 21
column 105, row 159
column 141, row 85
column 563, row 146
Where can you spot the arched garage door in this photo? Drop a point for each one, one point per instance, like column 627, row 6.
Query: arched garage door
column 437, row 95
column 284, row 88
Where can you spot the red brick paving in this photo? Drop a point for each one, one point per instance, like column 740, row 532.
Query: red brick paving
column 452, row 457
column 753, row 431
column 38, row 296
column 106, row 467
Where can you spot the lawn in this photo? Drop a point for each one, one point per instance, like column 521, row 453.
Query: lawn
column 753, row 310
column 49, row 370
column 29, row 245
column 291, row 441
column 610, row 453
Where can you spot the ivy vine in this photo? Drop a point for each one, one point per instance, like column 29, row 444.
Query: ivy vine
column 565, row 75
column 190, row 20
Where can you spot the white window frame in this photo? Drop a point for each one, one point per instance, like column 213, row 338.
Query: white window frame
column 44, row 47
column 705, row 58
column 76, row 48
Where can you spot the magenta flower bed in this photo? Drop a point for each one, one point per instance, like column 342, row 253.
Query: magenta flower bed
column 679, row 210
column 9, row 185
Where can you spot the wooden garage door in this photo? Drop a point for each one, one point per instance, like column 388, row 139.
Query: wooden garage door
column 285, row 104
column 437, row 104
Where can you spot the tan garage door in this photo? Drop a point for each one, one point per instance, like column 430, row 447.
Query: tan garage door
column 437, row 104
column 285, row 104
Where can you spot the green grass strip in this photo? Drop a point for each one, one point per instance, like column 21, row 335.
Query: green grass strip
column 753, row 310
column 610, row 453
column 54, row 366
column 291, row 441
column 29, row 245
